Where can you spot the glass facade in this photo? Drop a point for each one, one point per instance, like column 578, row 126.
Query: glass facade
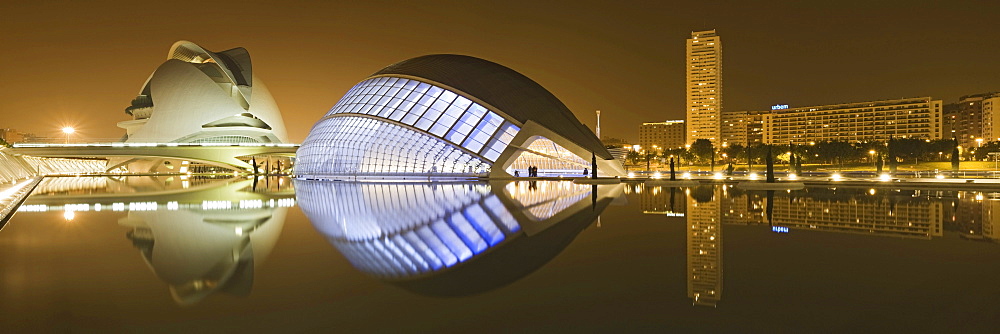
column 361, row 145
column 408, row 127
column 548, row 156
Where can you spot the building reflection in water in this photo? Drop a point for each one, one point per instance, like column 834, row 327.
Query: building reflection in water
column 704, row 245
column 911, row 214
column 200, row 235
column 890, row 213
column 660, row 200
column 451, row 238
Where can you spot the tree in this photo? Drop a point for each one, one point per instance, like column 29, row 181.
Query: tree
column 679, row 153
column 910, row 148
column 703, row 150
column 632, row 156
column 647, row 157
column 937, row 148
column 982, row 153
column 735, row 151
column 837, row 151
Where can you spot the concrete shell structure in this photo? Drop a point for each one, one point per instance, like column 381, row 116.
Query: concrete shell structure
column 200, row 96
column 450, row 115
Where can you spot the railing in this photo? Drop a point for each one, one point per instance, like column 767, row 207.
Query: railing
column 12, row 197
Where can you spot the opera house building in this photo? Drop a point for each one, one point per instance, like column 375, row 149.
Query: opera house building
column 450, row 115
column 200, row 96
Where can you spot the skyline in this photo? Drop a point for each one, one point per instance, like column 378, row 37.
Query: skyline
column 82, row 70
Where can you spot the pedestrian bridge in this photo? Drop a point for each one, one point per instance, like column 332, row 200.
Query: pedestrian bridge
column 226, row 154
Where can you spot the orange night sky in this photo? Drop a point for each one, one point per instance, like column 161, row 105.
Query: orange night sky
column 80, row 62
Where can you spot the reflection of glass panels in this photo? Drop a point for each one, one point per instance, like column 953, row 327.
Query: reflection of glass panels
column 403, row 231
column 355, row 145
column 393, row 230
column 547, row 155
column 546, row 199
column 426, row 107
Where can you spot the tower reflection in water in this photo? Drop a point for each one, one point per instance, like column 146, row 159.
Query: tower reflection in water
column 451, row 238
column 200, row 235
column 894, row 213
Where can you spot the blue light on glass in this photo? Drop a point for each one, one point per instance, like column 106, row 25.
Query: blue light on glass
column 779, row 229
column 779, row 107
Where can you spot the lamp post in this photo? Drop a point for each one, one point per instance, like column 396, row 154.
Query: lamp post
column 871, row 156
column 68, row 131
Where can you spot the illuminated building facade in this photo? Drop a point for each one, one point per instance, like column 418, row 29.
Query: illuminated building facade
column 13, row 136
column 987, row 107
column 742, row 127
column 704, row 86
column 855, row 122
column 449, row 115
column 200, row 96
column 665, row 135
column 969, row 120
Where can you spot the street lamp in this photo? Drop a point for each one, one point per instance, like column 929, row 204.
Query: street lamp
column 68, row 131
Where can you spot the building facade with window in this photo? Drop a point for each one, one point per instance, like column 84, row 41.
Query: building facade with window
column 742, row 127
column 450, row 115
column 664, row 135
column 972, row 118
column 704, row 86
column 855, row 122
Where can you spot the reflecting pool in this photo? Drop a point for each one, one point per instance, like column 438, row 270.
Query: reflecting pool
column 174, row 253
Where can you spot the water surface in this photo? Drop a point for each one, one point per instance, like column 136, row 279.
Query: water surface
column 204, row 254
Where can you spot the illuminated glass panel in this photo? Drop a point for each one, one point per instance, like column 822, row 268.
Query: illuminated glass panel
column 365, row 146
column 484, row 134
column 549, row 156
column 500, row 141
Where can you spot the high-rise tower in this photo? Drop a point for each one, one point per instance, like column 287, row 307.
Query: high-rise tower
column 704, row 86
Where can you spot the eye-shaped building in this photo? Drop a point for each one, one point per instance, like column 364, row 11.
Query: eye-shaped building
column 450, row 115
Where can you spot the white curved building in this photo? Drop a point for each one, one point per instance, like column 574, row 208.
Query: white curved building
column 200, row 96
column 450, row 115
